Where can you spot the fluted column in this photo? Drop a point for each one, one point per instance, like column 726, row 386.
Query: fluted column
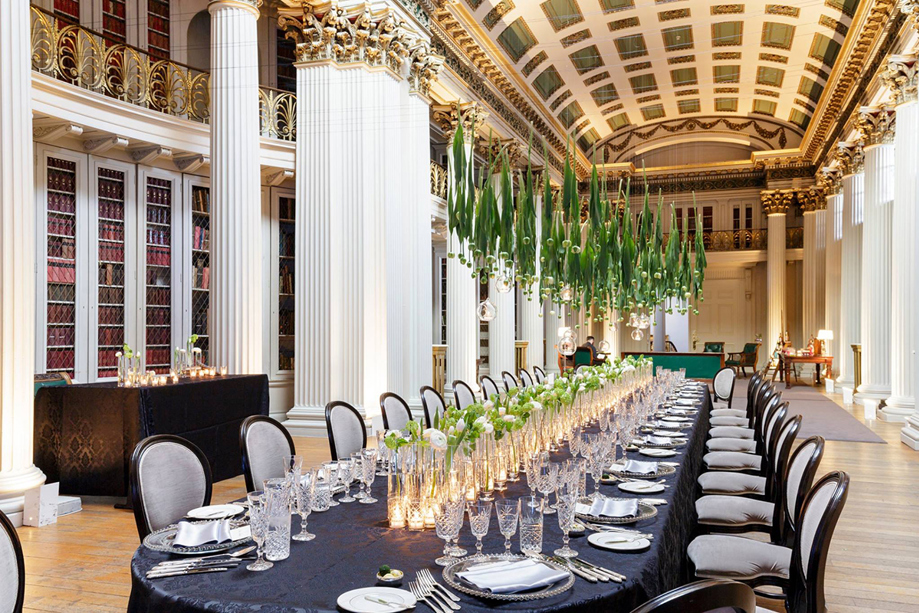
column 502, row 329
column 902, row 76
column 853, row 193
column 814, row 206
column 555, row 319
column 833, row 234
column 531, row 319
column 17, row 249
column 775, row 205
column 611, row 333
column 236, row 230
column 876, row 126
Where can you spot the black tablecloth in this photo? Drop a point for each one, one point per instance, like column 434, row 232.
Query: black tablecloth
column 353, row 541
column 85, row 434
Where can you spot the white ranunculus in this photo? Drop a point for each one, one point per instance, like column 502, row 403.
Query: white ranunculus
column 489, row 405
column 436, row 438
column 628, row 368
column 537, row 406
column 489, row 428
column 502, row 411
column 481, row 420
column 509, row 418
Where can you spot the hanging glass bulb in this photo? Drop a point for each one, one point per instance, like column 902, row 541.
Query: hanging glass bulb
column 504, row 283
column 637, row 334
column 566, row 294
column 570, row 334
column 614, row 326
column 633, row 320
column 567, row 347
column 486, row 310
column 604, row 346
column 644, row 321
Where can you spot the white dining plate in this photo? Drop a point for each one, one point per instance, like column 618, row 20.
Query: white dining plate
column 674, row 418
column 363, row 600
column 642, row 487
column 657, row 453
column 216, row 511
column 617, row 542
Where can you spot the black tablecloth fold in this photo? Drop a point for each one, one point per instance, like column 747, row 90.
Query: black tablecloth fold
column 353, row 541
column 85, row 434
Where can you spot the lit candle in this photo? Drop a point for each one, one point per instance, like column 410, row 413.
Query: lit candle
column 429, row 515
column 397, row 518
column 223, row 371
column 175, row 378
column 415, row 521
column 213, row 372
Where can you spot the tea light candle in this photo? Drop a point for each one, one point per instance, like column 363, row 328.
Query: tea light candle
column 415, row 520
column 429, row 516
column 175, row 378
column 223, row 371
column 397, row 517
column 212, row 372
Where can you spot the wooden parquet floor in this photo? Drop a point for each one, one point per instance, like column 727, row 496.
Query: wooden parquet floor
column 82, row 563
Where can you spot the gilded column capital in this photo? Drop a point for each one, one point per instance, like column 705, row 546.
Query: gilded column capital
column 851, row 157
column 448, row 117
column 830, row 181
column 876, row 125
column 777, row 202
column 424, row 67
column 811, row 200
column 901, row 77
column 909, row 7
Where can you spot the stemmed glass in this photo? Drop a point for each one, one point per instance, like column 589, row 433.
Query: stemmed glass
column 346, row 474
column 368, row 468
column 357, row 463
column 597, row 462
column 479, row 516
column 448, row 519
column 532, row 466
column 332, row 470
column 567, row 497
column 548, row 476
column 508, row 513
column 303, row 497
column 258, row 525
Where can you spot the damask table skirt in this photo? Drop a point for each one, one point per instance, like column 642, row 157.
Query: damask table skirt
column 85, row 434
column 352, row 540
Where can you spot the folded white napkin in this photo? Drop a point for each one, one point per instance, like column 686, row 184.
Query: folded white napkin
column 193, row 535
column 609, row 507
column 512, row 577
column 657, row 440
column 668, row 433
column 640, row 468
column 685, row 401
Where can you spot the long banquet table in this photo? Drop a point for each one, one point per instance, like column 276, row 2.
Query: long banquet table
column 353, row 540
column 85, row 434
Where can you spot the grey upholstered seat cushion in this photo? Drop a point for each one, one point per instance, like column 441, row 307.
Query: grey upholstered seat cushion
column 724, row 420
column 720, row 556
column 730, row 432
column 731, row 483
column 9, row 573
column 172, row 483
column 732, row 460
column 734, row 511
column 397, row 414
column 729, row 413
column 266, row 446
column 347, row 429
column 743, row 445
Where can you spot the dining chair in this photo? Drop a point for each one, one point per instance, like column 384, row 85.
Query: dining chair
column 702, row 597
column 433, row 404
column 747, row 427
column 347, row 433
column 463, row 395
column 539, row 373
column 799, row 570
column 396, row 413
column 169, row 476
column 510, row 381
column 723, row 386
column 739, row 460
column 749, row 419
column 526, row 378
column 744, row 443
column 12, row 568
column 489, row 387
column 263, row 443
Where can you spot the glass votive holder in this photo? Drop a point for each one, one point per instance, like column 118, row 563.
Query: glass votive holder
column 223, row 371
column 415, row 515
column 396, row 512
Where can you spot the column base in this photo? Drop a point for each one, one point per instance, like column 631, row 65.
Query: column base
column 830, row 386
column 909, row 435
column 13, row 485
column 878, row 393
column 897, row 409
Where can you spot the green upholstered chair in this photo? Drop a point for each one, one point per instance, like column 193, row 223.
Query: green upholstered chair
column 714, row 347
column 50, row 380
column 739, row 361
column 583, row 357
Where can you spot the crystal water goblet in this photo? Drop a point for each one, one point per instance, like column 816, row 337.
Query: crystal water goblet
column 479, row 517
column 448, row 519
column 332, row 474
column 548, row 477
column 357, row 462
column 303, row 492
column 508, row 512
column 566, row 500
column 258, row 526
column 346, row 475
column 368, row 467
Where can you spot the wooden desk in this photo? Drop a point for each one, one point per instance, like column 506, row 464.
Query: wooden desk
column 789, row 361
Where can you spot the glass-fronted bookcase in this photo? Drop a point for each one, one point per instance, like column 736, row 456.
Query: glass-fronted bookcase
column 283, row 213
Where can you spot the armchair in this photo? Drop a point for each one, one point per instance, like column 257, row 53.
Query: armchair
column 739, row 361
column 713, row 347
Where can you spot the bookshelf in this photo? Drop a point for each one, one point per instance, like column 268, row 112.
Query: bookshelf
column 158, row 194
column 201, row 267
column 158, row 28
column 114, row 20
column 286, row 263
column 68, row 8
column 61, row 219
column 111, row 190
column 286, row 52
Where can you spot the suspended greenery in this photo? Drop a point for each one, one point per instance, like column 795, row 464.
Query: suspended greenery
column 591, row 259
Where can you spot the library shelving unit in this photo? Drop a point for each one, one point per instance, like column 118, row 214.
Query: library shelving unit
column 158, row 195
column 286, row 234
column 200, row 204
column 114, row 20
column 158, row 28
column 68, row 8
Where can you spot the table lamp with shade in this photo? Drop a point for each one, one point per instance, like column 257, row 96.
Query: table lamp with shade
column 823, row 336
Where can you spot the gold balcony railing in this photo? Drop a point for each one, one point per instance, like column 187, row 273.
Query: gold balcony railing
column 82, row 57
column 438, row 180
column 794, row 238
column 730, row 240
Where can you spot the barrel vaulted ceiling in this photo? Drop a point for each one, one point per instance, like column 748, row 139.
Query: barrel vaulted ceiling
column 629, row 76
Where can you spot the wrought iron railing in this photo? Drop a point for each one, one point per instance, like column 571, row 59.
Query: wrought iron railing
column 87, row 59
column 438, row 180
column 794, row 238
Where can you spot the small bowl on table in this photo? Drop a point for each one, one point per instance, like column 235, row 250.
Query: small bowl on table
column 391, row 579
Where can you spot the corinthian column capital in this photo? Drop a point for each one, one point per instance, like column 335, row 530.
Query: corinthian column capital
column 901, row 77
column 448, row 117
column 876, row 125
column 851, row 157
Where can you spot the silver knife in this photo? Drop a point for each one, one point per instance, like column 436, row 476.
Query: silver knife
column 172, row 568
column 189, row 571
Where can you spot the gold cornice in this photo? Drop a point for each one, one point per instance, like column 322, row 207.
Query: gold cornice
column 876, row 125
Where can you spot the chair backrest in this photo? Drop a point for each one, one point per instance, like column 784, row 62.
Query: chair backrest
column 463, row 395
column 49, row 380
column 509, row 380
column 774, row 423
column 818, row 517
column 396, row 413
column 799, row 477
column 703, row 596
column 169, row 477
column 263, row 443
column 751, row 348
column 779, row 452
column 764, row 400
column 433, row 403
column 345, row 425
column 489, row 387
column 753, row 386
column 713, row 347
column 539, row 373
column 526, row 378
column 723, row 384
column 12, row 568
column 761, row 411
column 583, row 356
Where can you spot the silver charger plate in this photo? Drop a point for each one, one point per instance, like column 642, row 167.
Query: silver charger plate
column 645, row 511
column 662, row 471
column 163, row 540
column 449, row 575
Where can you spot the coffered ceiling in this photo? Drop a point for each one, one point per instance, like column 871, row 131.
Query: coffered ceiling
column 631, row 76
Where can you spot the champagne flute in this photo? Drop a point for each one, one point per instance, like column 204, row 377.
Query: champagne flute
column 368, row 467
column 567, row 497
column 332, row 470
column 346, row 474
column 357, row 463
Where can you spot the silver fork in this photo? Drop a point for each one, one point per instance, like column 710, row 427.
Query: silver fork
column 418, row 593
column 437, row 596
column 425, row 576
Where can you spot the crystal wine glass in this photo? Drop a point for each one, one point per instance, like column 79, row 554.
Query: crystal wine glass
column 448, row 518
column 258, row 525
column 332, row 473
column 567, row 497
column 479, row 516
column 346, row 475
column 357, row 463
column 548, row 477
column 508, row 512
column 303, row 497
column 368, row 467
